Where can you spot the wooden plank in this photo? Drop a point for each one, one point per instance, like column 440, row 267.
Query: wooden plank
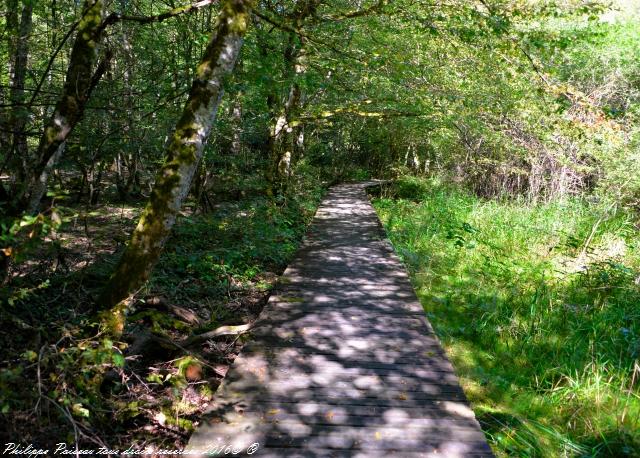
column 271, row 376
column 349, row 348
column 382, row 355
column 342, row 417
column 354, row 397
column 377, row 439
column 375, row 306
column 290, row 360
column 307, row 411
column 342, row 323
column 362, row 316
column 336, row 341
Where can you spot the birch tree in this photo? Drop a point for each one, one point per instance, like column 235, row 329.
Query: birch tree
column 183, row 154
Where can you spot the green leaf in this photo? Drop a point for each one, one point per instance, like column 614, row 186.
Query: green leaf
column 118, row 359
column 30, row 355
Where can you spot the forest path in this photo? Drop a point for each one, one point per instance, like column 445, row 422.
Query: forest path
column 342, row 362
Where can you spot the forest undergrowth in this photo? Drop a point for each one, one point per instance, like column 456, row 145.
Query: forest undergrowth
column 62, row 379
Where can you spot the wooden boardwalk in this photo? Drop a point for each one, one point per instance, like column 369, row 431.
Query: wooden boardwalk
column 343, row 362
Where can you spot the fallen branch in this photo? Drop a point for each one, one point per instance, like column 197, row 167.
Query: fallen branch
column 183, row 313
column 218, row 332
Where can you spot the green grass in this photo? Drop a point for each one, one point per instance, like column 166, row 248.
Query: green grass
column 543, row 330
column 239, row 242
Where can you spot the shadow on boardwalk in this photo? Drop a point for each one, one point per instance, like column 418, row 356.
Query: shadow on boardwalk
column 342, row 362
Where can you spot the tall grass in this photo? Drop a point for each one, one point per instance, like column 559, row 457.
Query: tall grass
column 538, row 308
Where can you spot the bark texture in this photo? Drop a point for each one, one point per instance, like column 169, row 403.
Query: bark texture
column 184, row 152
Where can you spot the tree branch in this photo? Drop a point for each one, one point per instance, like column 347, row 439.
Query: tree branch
column 50, row 64
column 114, row 18
column 300, row 33
column 355, row 111
column 375, row 8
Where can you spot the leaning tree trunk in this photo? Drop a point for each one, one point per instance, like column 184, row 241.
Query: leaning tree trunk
column 79, row 82
column 184, row 152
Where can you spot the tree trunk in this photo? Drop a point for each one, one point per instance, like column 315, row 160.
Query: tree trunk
column 19, row 32
column 133, row 157
column 39, row 186
column 79, row 81
column 275, row 171
column 236, row 120
column 184, row 152
column 280, row 138
column 296, row 60
column 284, row 137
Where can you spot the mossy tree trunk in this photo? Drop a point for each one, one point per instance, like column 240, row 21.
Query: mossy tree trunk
column 183, row 154
column 80, row 79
